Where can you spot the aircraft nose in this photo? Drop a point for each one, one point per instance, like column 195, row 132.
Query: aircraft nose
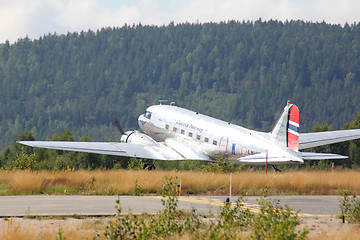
column 142, row 120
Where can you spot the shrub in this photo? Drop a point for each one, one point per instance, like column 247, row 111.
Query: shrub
column 350, row 207
column 136, row 163
column 221, row 165
column 128, row 227
column 168, row 222
column 231, row 222
column 274, row 222
column 137, row 188
column 25, row 161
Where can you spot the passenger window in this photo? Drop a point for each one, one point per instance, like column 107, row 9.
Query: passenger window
column 215, row 142
column 166, row 126
column 174, row 129
column 206, row 139
column 182, row 131
column 190, row 134
column 198, row 137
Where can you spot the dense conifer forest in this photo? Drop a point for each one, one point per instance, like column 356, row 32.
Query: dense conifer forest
column 242, row 72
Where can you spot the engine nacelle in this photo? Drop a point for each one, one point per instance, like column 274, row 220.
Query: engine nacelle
column 137, row 137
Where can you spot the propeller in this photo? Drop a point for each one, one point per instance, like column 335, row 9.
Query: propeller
column 118, row 126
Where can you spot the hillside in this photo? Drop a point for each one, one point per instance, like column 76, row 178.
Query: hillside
column 241, row 72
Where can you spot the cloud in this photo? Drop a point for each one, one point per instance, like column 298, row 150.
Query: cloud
column 35, row 18
column 22, row 18
column 336, row 12
column 38, row 17
column 80, row 15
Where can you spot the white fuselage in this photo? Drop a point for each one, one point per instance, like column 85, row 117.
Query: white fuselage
column 174, row 133
column 204, row 134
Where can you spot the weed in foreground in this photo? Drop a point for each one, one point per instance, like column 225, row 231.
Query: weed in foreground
column 235, row 221
column 237, row 216
column 166, row 223
column 137, row 189
column 231, row 223
column 169, row 222
column 350, row 207
column 127, row 227
column 59, row 235
column 274, row 222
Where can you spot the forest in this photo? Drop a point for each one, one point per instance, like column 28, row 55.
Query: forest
column 74, row 85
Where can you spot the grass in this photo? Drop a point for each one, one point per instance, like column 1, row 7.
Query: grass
column 234, row 222
column 272, row 222
column 122, row 182
column 85, row 228
column 352, row 232
column 50, row 229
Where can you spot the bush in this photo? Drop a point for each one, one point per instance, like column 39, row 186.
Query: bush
column 274, row 222
column 128, row 227
column 168, row 222
column 232, row 221
column 24, row 161
column 350, row 207
column 136, row 163
column 221, row 165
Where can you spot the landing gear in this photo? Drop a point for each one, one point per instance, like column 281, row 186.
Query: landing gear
column 275, row 168
column 149, row 164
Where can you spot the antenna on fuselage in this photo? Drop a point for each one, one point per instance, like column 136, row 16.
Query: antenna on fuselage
column 163, row 101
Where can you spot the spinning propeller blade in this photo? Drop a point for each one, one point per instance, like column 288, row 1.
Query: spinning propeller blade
column 118, row 126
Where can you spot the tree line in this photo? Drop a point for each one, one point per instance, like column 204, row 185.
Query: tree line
column 241, row 72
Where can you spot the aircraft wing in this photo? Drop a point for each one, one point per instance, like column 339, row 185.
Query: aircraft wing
column 160, row 151
column 315, row 139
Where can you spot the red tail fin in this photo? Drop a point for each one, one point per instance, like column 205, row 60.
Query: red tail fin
column 293, row 129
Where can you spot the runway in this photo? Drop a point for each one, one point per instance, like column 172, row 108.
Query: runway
column 41, row 205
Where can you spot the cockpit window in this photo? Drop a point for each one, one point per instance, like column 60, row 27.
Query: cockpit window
column 147, row 115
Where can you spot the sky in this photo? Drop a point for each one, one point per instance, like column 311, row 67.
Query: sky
column 35, row 18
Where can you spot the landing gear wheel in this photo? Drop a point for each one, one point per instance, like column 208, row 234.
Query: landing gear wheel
column 149, row 164
column 275, row 168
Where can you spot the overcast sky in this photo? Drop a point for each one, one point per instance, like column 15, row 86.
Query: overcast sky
column 34, row 18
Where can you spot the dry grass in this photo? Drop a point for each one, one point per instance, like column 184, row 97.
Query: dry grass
column 123, row 182
column 20, row 228
column 334, row 230
column 350, row 233
column 50, row 229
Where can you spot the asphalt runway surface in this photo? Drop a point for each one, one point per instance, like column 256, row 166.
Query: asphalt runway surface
column 41, row 205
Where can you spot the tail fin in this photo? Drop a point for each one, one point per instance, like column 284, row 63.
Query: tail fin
column 286, row 130
column 293, row 129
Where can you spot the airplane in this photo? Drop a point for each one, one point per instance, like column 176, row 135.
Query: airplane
column 175, row 133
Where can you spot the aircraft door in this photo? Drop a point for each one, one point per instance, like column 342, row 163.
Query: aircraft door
column 224, row 147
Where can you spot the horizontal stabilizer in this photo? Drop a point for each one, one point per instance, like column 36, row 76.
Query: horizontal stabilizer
column 272, row 159
column 315, row 139
column 320, row 156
